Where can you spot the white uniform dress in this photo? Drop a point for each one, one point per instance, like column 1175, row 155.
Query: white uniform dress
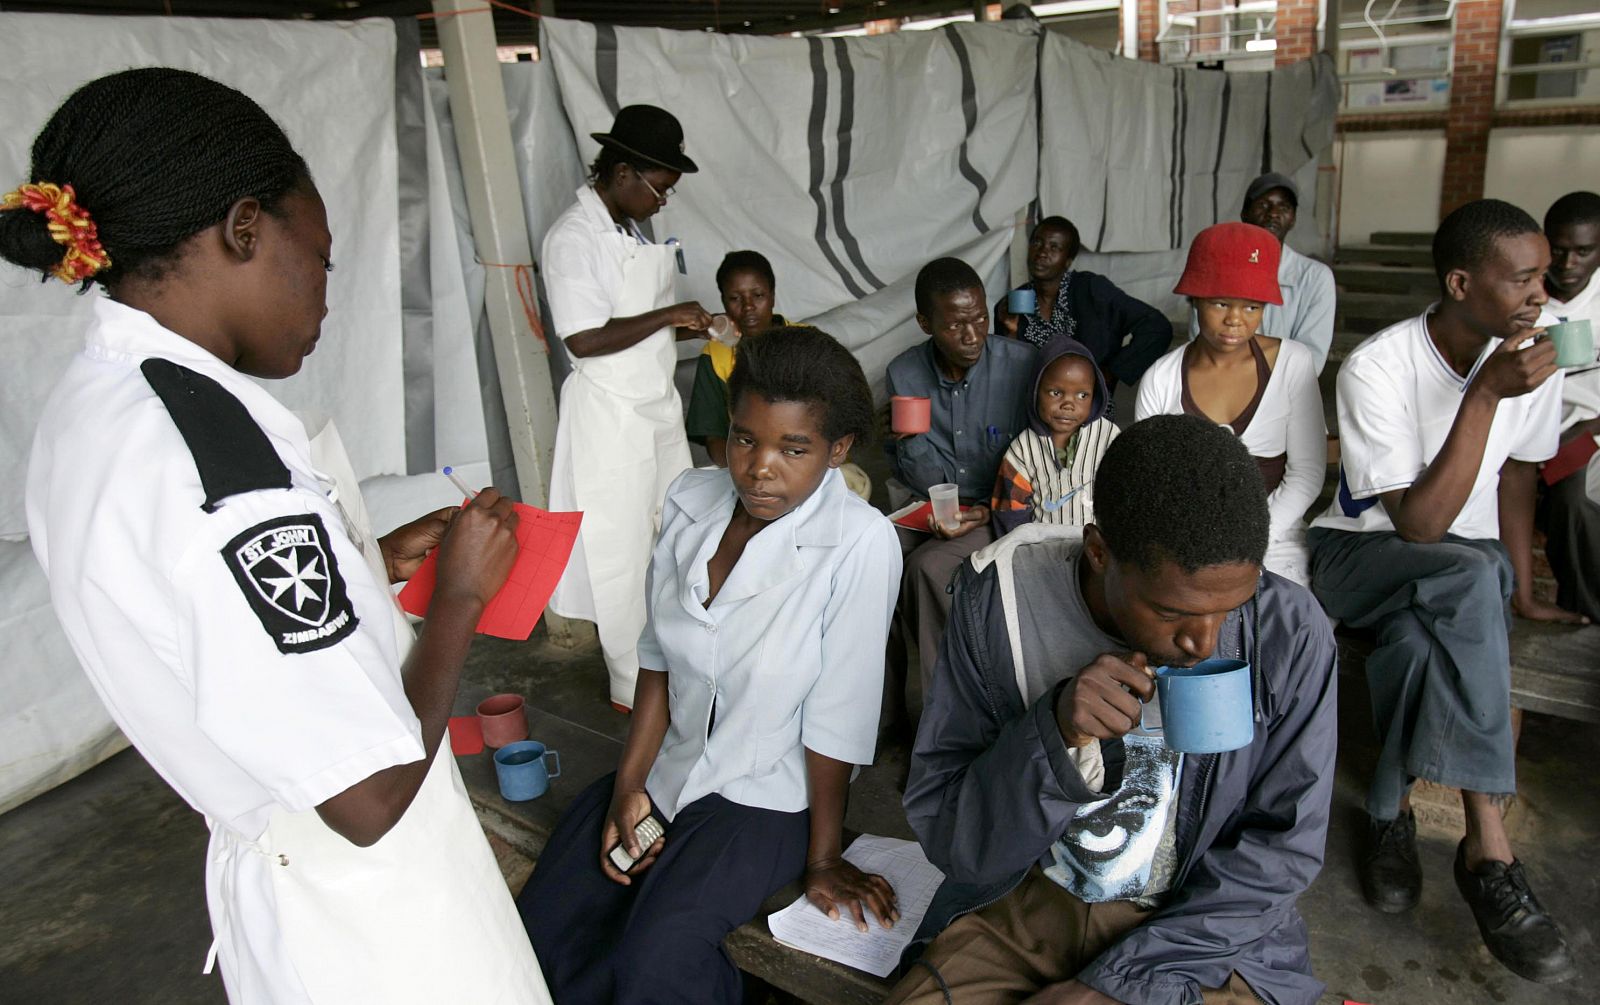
column 1288, row 421
column 619, row 435
column 251, row 650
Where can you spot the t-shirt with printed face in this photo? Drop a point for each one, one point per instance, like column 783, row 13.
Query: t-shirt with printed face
column 1121, row 847
column 1397, row 401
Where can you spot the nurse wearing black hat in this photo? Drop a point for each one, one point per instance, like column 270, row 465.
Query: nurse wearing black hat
column 619, row 438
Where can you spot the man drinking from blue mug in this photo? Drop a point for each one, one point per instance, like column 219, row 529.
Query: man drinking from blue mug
column 1085, row 860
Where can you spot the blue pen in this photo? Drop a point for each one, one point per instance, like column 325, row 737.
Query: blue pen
column 994, row 434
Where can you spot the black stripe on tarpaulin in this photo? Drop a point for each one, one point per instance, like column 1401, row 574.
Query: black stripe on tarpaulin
column 605, row 64
column 847, row 118
column 1183, row 149
column 1266, row 135
column 1172, row 175
column 1316, row 66
column 1222, row 142
column 1105, row 211
column 969, row 112
column 1035, row 211
column 819, row 113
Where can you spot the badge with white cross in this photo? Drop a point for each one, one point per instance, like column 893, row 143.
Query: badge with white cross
column 286, row 569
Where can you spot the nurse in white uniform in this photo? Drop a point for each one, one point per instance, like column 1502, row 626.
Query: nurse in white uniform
column 212, row 567
column 619, row 438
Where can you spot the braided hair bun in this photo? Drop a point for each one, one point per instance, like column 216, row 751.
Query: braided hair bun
column 155, row 156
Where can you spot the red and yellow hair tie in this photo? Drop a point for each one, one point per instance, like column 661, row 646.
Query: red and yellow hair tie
column 70, row 227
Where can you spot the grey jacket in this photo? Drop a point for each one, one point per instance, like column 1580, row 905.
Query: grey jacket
column 992, row 786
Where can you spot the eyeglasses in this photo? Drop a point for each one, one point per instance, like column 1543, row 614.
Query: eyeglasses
column 661, row 197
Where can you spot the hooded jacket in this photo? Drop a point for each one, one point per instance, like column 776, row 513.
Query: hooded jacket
column 993, row 785
column 1033, row 485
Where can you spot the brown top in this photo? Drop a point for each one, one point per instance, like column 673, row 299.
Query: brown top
column 1272, row 468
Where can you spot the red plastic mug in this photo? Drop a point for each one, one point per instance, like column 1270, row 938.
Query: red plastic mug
column 504, row 720
column 910, row 415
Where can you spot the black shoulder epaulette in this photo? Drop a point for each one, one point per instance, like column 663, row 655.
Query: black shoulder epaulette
column 230, row 451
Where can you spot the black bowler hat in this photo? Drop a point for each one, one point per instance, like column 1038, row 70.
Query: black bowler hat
column 651, row 134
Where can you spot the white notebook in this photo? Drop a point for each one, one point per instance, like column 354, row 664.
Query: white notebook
column 877, row 951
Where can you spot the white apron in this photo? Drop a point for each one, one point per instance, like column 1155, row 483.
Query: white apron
column 423, row 915
column 619, row 445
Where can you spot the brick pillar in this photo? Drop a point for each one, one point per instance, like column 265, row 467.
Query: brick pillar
column 1472, row 83
column 1296, row 30
column 1149, row 25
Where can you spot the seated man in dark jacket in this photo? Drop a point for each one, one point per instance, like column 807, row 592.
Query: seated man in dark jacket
column 1086, row 862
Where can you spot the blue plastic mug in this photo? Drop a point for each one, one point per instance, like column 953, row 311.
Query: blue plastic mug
column 1022, row 302
column 522, row 771
column 1206, row 708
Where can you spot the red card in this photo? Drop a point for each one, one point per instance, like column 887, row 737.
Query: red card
column 466, row 735
column 545, row 542
column 917, row 519
column 1574, row 454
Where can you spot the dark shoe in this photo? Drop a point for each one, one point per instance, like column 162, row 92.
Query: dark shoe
column 1513, row 924
column 1391, row 876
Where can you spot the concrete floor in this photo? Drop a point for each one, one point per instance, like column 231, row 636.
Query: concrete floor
column 101, row 894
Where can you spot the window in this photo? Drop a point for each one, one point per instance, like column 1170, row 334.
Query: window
column 1395, row 55
column 1241, row 33
column 1550, row 53
column 1095, row 23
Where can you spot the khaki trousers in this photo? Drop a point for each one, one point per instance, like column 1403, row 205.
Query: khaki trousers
column 1035, row 936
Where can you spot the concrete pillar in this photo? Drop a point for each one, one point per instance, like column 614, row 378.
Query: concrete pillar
column 1472, row 80
column 500, row 234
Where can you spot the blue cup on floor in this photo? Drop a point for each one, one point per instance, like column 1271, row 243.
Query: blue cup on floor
column 1206, row 708
column 522, row 770
column 1022, row 302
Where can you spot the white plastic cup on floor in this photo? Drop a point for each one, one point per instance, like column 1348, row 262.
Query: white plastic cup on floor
column 946, row 501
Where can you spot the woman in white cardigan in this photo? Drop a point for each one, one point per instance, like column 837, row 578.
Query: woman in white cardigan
column 1263, row 388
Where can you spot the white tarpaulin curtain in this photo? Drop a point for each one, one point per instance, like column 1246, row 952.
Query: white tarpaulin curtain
column 1142, row 157
column 331, row 87
column 852, row 162
column 849, row 162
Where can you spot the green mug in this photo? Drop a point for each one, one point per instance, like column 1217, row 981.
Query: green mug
column 1574, row 343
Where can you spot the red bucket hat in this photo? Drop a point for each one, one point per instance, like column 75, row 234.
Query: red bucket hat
column 1232, row 260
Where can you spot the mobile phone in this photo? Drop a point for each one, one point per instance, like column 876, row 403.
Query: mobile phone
column 645, row 832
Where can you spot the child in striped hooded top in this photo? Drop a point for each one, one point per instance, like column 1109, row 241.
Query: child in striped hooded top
column 1047, row 475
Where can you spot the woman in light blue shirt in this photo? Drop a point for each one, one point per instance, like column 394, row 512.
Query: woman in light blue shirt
column 761, row 676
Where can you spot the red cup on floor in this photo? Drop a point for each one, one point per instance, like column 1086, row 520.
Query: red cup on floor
column 504, row 720
column 910, row 415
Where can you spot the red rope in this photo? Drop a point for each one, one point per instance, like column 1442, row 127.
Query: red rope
column 523, row 277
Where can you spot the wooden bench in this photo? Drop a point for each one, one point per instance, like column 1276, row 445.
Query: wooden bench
column 587, row 755
column 1555, row 669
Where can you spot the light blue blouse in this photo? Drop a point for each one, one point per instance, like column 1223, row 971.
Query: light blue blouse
column 790, row 653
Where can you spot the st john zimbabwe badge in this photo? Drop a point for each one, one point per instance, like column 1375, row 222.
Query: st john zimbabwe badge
column 286, row 569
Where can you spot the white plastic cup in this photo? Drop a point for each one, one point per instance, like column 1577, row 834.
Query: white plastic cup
column 946, row 499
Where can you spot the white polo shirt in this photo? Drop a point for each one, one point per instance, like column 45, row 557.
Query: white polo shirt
column 790, row 652
column 1580, row 396
column 581, row 262
column 152, row 592
column 1397, row 401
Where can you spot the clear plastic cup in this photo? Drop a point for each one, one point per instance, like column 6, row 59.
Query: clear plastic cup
column 946, row 501
column 723, row 330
